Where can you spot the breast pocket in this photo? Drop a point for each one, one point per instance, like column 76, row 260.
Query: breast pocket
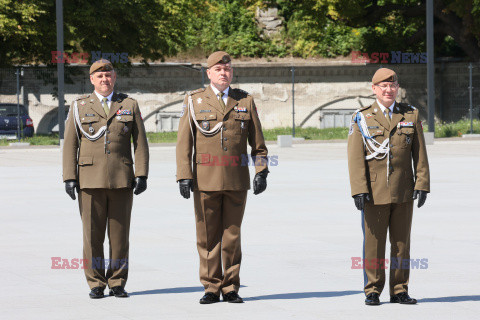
column 375, row 132
column 242, row 120
column 125, row 124
column 406, row 137
column 90, row 124
column 206, row 120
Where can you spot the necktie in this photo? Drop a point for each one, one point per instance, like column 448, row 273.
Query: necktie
column 387, row 115
column 220, row 96
column 105, row 106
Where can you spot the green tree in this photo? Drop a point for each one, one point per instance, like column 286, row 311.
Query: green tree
column 150, row 29
column 400, row 24
column 230, row 25
column 25, row 32
column 312, row 33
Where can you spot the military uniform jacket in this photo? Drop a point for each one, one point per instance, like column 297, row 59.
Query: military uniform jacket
column 220, row 162
column 407, row 147
column 107, row 162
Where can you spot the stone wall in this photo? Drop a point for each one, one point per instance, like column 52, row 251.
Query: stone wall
column 161, row 89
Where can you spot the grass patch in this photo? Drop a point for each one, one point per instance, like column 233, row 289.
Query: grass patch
column 442, row 130
column 455, row 129
column 36, row 140
column 308, row 133
column 159, row 137
column 269, row 134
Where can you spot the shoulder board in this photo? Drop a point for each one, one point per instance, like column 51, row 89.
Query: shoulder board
column 195, row 91
column 82, row 97
column 241, row 91
column 123, row 95
column 361, row 109
column 119, row 97
column 406, row 106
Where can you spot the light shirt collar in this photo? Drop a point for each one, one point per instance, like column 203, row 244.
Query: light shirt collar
column 100, row 97
column 216, row 91
column 383, row 107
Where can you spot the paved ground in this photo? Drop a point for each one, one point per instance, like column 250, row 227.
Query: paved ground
column 298, row 240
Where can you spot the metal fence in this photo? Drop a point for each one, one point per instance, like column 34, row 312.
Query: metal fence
column 160, row 90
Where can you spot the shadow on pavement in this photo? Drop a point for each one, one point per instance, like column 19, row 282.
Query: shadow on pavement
column 450, row 299
column 304, row 295
column 171, row 290
column 168, row 290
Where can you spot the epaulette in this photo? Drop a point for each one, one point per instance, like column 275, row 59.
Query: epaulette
column 241, row 91
column 354, row 115
column 360, row 110
column 190, row 93
column 82, row 97
column 363, row 108
column 123, row 96
column 406, row 107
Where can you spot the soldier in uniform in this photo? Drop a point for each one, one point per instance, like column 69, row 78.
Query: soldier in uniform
column 97, row 163
column 216, row 124
column 385, row 141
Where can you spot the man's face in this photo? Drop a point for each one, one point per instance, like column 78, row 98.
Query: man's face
column 386, row 92
column 103, row 81
column 220, row 75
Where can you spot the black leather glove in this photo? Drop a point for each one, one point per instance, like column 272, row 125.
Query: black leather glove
column 260, row 182
column 185, row 185
column 360, row 200
column 422, row 197
column 139, row 185
column 70, row 187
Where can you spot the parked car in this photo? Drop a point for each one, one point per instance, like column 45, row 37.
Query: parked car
column 8, row 121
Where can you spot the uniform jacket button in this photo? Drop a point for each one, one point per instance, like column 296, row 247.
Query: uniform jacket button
column 225, row 139
column 225, row 148
column 224, row 129
column 108, row 151
column 108, row 142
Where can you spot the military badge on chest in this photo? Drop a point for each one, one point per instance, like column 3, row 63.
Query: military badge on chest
column 205, row 125
column 408, row 139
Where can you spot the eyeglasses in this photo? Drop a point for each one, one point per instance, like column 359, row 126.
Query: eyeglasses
column 390, row 86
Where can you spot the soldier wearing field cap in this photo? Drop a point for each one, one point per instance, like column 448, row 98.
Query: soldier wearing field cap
column 216, row 124
column 388, row 166
column 98, row 164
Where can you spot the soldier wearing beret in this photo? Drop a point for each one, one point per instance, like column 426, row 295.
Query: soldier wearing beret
column 217, row 123
column 388, row 166
column 98, row 164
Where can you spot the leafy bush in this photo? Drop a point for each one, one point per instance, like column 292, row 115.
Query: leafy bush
column 230, row 26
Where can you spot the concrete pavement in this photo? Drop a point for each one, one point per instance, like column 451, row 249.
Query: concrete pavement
column 298, row 239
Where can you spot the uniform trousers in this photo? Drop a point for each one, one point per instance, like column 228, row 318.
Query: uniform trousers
column 376, row 220
column 106, row 210
column 218, row 216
